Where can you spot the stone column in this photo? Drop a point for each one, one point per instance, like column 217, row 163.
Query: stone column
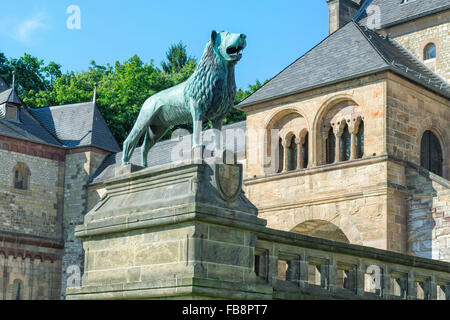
column 299, row 142
column 284, row 143
column 338, row 136
column 323, row 156
column 353, row 146
column 353, row 132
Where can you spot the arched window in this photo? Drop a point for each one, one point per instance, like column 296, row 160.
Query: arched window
column 280, row 156
column 305, row 151
column 431, row 153
column 345, row 144
column 337, row 132
column 331, row 147
column 21, row 176
column 284, row 155
column 17, row 290
column 360, row 141
column 429, row 52
column 292, row 154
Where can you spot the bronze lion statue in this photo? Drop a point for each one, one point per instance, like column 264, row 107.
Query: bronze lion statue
column 207, row 95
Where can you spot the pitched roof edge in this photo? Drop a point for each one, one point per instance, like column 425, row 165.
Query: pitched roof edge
column 410, row 55
column 96, row 109
column 37, row 142
column 323, row 84
column 388, row 66
column 241, row 104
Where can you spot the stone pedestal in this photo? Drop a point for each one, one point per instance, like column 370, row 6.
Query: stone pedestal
column 181, row 231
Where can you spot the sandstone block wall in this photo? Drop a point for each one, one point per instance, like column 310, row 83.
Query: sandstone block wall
column 411, row 111
column 38, row 210
column 415, row 35
column 352, row 197
column 34, row 214
column 39, row 275
column 79, row 166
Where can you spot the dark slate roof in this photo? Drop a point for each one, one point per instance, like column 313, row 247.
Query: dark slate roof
column 348, row 53
column 165, row 152
column 394, row 12
column 10, row 95
column 77, row 125
column 27, row 129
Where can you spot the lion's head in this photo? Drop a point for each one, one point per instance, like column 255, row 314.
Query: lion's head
column 228, row 45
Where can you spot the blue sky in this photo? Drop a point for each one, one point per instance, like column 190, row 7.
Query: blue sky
column 278, row 32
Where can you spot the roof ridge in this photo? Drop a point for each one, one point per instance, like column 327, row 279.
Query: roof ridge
column 63, row 105
column 370, row 42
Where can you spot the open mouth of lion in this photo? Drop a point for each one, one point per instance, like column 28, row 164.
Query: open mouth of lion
column 235, row 51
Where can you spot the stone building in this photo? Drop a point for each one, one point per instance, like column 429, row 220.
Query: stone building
column 47, row 155
column 350, row 142
column 363, row 129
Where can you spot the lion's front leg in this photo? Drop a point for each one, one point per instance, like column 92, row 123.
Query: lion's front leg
column 218, row 148
column 197, row 146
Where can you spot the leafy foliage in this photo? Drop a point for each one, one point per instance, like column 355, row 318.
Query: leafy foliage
column 177, row 59
column 122, row 88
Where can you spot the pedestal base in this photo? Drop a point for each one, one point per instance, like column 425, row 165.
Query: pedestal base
column 168, row 232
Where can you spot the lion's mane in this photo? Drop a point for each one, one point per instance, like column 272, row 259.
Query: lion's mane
column 212, row 85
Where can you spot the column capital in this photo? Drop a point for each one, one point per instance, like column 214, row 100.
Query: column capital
column 300, row 141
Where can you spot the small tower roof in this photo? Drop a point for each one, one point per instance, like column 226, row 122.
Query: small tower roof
column 10, row 96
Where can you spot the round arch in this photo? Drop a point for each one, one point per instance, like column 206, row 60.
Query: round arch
column 277, row 115
column 321, row 229
column 291, row 122
column 331, row 102
column 442, row 136
column 326, row 106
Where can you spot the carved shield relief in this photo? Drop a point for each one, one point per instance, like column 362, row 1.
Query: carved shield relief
column 229, row 180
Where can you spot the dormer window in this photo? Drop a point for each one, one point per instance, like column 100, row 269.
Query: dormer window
column 429, row 52
column 9, row 112
column 12, row 112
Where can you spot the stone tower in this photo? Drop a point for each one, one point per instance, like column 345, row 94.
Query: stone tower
column 341, row 12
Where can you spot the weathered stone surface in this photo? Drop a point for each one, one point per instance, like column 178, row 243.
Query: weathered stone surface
column 135, row 235
column 194, row 252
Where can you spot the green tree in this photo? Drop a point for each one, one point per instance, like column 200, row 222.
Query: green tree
column 122, row 88
column 177, row 59
column 236, row 115
column 4, row 70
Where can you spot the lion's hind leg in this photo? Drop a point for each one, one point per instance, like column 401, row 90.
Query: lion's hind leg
column 132, row 140
column 152, row 136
